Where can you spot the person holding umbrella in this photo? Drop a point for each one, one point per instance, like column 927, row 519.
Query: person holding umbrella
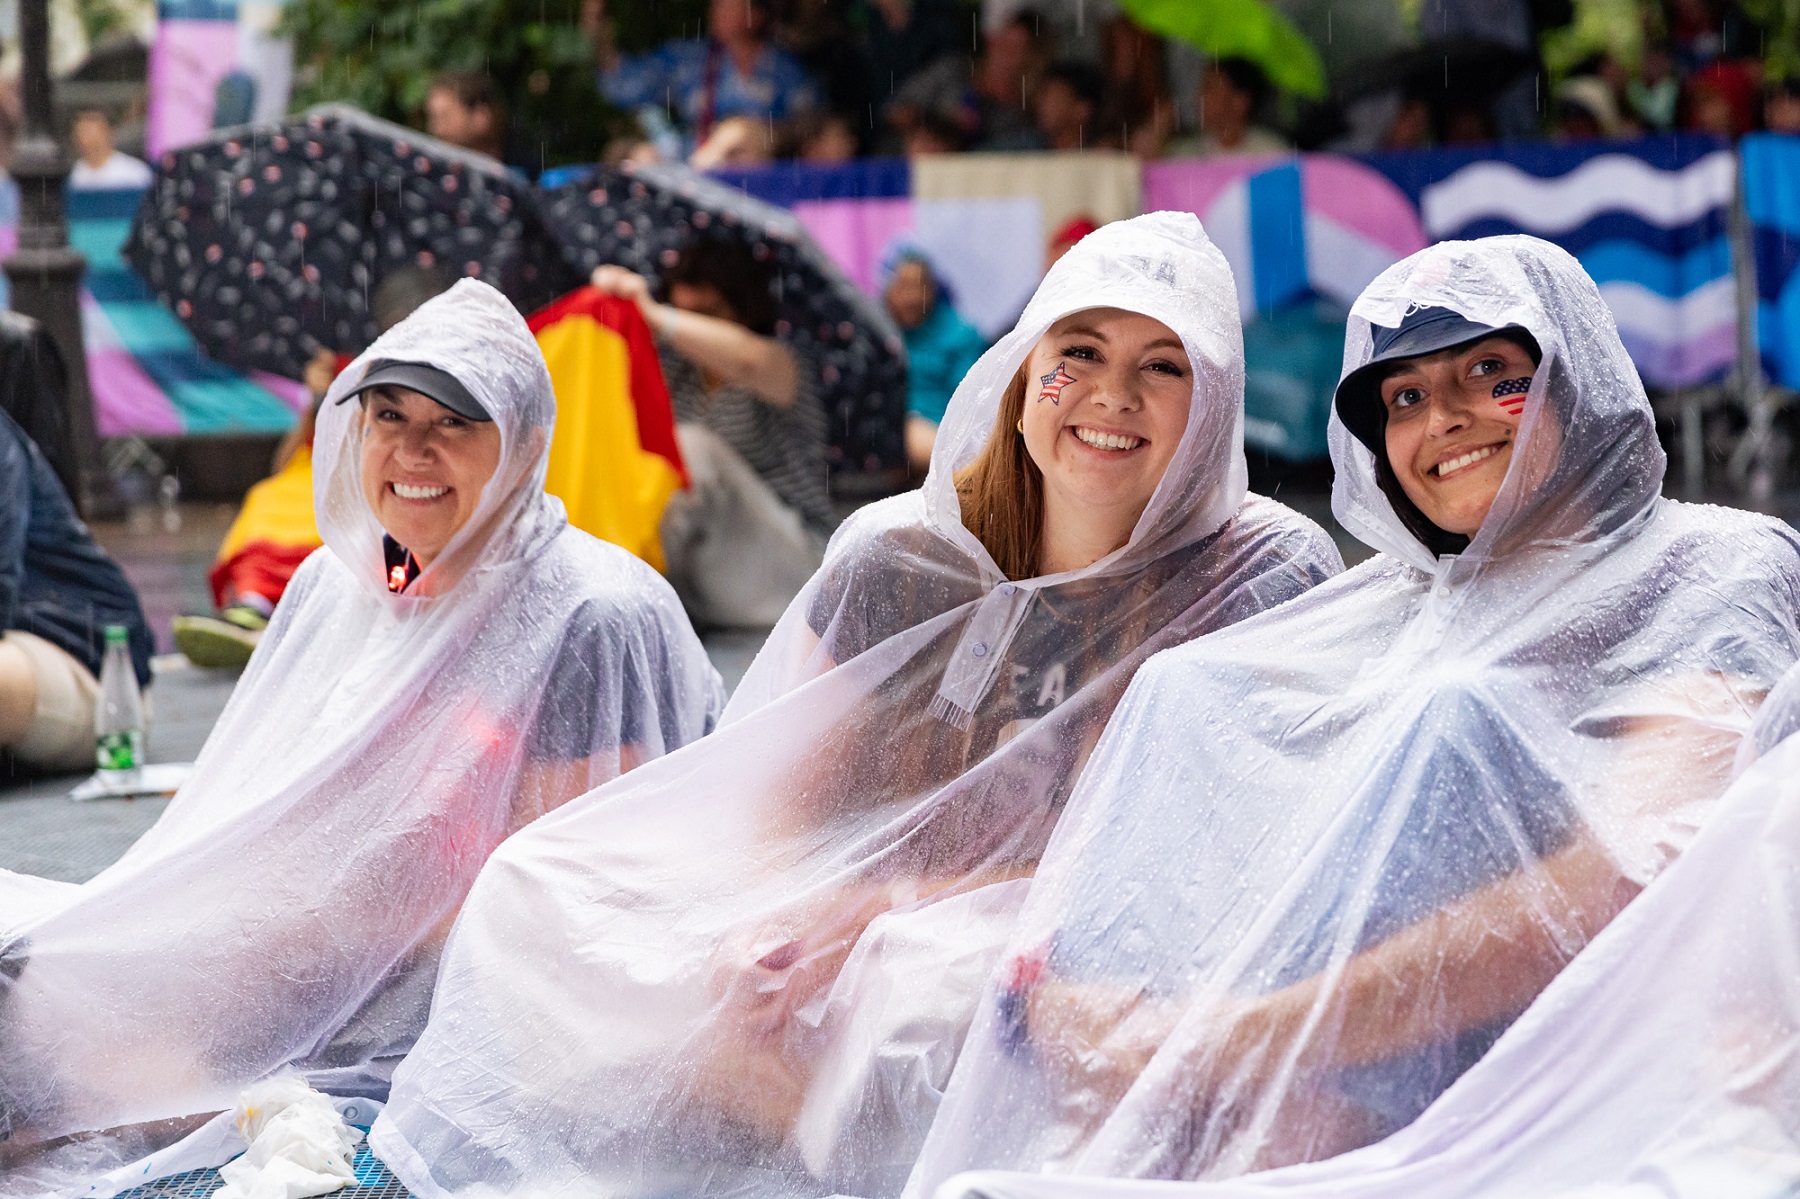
column 732, row 71
column 743, row 539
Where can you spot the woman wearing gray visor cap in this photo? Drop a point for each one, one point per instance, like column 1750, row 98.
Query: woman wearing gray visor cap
column 454, row 662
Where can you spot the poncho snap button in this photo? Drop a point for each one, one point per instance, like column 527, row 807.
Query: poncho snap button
column 1007, row 589
column 979, row 649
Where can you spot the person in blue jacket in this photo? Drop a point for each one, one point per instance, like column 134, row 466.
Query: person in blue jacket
column 940, row 345
column 58, row 592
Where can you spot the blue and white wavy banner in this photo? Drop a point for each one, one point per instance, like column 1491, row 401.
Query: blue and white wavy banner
column 1648, row 220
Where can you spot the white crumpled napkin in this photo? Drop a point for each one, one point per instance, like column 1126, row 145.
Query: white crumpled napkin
column 299, row 1145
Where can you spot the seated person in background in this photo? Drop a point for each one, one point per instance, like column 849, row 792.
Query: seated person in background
column 1781, row 106
column 1322, row 859
column 464, row 108
column 940, row 345
column 750, row 529
column 274, row 530
column 1232, row 92
column 58, row 592
column 457, row 661
column 1066, row 106
column 746, row 970
column 816, row 135
column 734, row 142
column 98, row 165
column 734, row 71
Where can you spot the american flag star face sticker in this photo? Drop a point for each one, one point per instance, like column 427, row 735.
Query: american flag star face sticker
column 1053, row 384
column 1511, row 394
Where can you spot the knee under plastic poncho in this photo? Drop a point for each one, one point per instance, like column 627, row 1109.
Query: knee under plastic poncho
column 289, row 905
column 1660, row 1064
column 1323, row 858
column 746, row 969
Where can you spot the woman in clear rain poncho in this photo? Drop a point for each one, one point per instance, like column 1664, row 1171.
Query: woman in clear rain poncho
column 408, row 708
column 1388, row 813
column 747, row 968
column 1660, row 1064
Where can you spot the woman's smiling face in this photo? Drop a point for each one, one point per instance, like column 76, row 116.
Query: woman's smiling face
column 1451, row 421
column 423, row 467
column 1106, row 401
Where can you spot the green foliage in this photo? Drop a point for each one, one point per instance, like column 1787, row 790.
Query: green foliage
column 1613, row 27
column 382, row 57
column 1780, row 21
column 101, row 19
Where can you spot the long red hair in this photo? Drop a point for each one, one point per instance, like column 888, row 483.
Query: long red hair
column 1001, row 493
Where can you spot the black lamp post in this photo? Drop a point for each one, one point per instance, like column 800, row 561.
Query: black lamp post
column 45, row 273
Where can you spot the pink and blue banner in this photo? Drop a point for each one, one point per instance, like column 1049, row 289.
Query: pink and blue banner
column 1306, row 233
column 1648, row 219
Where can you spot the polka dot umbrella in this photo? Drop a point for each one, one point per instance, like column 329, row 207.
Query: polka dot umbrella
column 268, row 240
column 641, row 217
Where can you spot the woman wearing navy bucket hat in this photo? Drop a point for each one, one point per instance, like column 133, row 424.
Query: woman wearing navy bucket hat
column 1387, row 813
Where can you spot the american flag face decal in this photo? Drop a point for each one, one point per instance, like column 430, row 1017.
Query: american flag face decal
column 1511, row 395
column 1054, row 382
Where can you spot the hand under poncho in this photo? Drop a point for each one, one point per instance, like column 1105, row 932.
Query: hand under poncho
column 1380, row 789
column 747, row 969
column 1659, row 1065
column 288, row 907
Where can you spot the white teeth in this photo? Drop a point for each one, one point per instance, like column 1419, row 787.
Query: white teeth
column 1468, row 459
column 418, row 493
column 1107, row 441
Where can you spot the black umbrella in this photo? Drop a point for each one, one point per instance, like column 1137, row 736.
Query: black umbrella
column 268, row 240
column 642, row 217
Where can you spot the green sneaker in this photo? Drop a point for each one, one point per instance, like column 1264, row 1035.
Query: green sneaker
column 245, row 617
column 213, row 643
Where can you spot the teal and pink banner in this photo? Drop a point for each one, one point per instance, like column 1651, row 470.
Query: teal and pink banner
column 147, row 375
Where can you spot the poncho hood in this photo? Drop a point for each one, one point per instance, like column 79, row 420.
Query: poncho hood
column 476, row 335
column 1163, row 266
column 1585, row 460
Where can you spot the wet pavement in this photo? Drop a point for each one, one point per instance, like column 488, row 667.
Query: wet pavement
column 42, row 831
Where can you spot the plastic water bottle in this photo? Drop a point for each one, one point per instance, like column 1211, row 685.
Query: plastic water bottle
column 119, row 716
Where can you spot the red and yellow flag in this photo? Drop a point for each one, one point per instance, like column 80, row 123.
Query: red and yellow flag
column 614, row 460
column 273, row 533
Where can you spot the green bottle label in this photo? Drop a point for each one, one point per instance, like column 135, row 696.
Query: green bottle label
column 121, row 751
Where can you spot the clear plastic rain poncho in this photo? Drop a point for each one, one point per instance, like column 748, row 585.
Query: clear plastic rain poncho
column 290, row 904
column 747, row 968
column 1322, row 859
column 1660, row 1065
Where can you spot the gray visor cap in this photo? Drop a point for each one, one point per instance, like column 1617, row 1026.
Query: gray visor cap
column 429, row 381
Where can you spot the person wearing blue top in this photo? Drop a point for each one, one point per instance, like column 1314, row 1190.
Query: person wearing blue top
column 58, row 592
column 940, row 345
column 733, row 71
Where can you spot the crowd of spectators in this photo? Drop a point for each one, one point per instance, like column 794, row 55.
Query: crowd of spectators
column 828, row 80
